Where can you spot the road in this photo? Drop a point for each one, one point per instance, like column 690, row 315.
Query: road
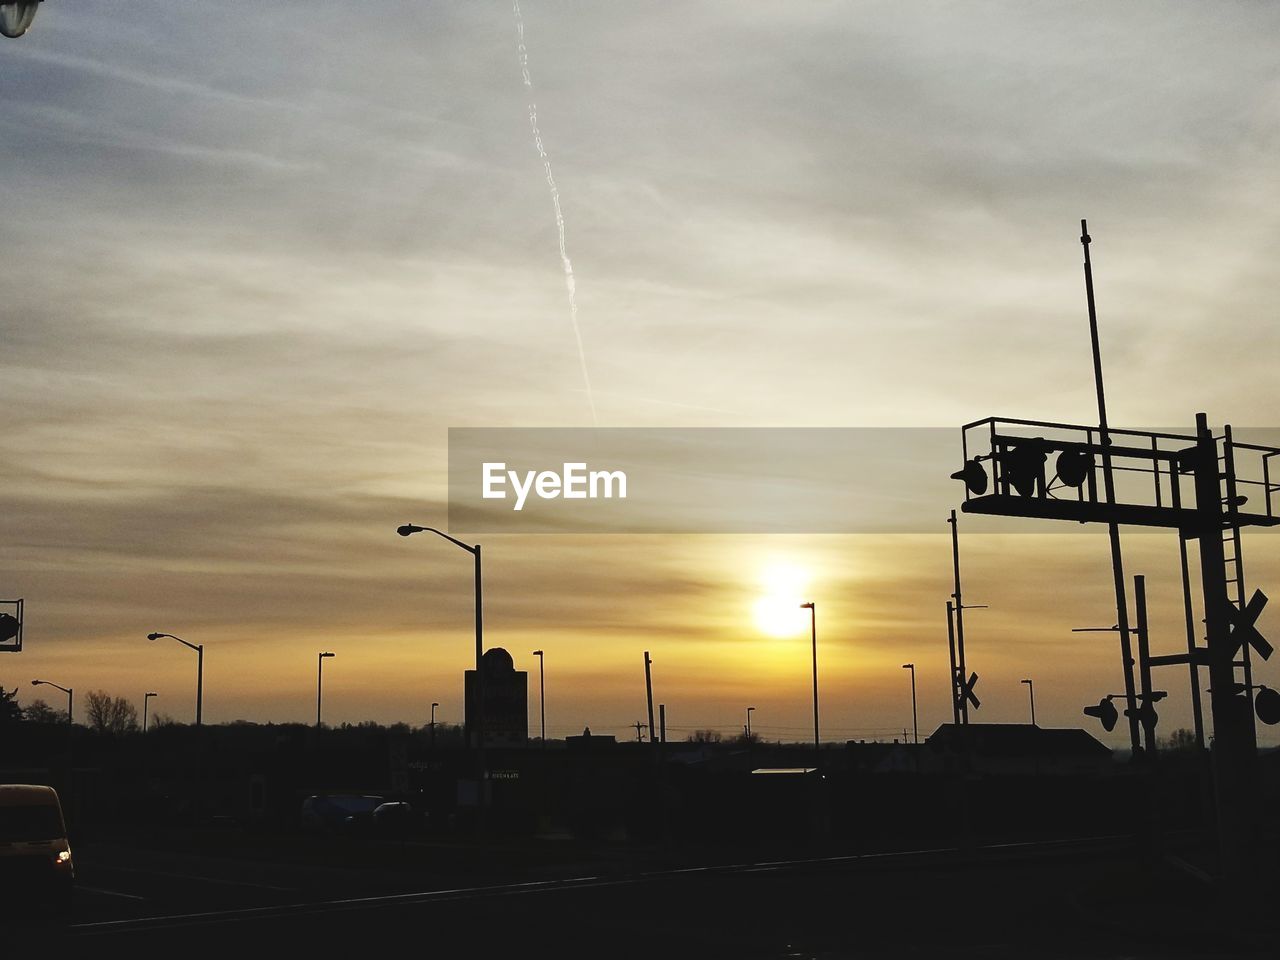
column 1059, row 900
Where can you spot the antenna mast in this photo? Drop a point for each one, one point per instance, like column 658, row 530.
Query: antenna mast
column 1109, row 488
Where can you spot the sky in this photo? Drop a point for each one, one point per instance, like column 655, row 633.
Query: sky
column 259, row 258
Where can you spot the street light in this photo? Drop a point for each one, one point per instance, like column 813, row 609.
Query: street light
column 433, row 725
column 66, row 690
column 915, row 726
column 320, row 659
column 813, row 630
column 1031, row 689
column 408, row 529
column 199, row 649
column 749, row 709
column 542, row 692
column 146, row 698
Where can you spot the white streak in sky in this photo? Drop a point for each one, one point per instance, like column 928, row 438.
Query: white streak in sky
column 569, row 282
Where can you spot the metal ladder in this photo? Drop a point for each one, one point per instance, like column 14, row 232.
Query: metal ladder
column 1231, row 552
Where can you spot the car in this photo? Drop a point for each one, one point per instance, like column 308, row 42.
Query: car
column 394, row 817
column 35, row 855
column 339, row 812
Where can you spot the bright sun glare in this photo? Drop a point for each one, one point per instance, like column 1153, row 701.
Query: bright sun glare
column 778, row 612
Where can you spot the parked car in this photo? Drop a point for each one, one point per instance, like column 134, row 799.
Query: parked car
column 394, row 817
column 339, row 812
column 35, row 855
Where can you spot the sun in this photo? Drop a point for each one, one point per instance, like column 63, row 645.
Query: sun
column 777, row 612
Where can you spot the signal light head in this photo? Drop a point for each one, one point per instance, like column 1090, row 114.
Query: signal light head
column 974, row 477
column 1024, row 466
column 1106, row 712
column 1266, row 704
column 1073, row 466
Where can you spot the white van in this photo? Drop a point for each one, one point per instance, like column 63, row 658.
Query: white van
column 35, row 856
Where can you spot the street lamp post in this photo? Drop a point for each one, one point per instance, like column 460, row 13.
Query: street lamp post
column 542, row 692
column 1031, row 689
column 749, row 709
column 409, row 529
column 199, row 649
column 320, row 659
column 813, row 631
column 146, row 699
column 66, row 690
column 915, row 726
column 433, row 725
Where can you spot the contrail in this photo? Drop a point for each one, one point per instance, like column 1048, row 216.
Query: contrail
column 569, row 282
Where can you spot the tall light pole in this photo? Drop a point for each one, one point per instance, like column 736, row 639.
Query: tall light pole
column 320, row 659
column 433, row 725
column 199, row 649
column 66, row 690
column 749, row 709
column 813, row 631
column 146, row 699
column 915, row 726
column 409, row 529
column 1031, row 689
column 406, row 530
column 542, row 692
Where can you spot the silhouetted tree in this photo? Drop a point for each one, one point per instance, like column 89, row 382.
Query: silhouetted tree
column 37, row 711
column 108, row 714
column 705, row 736
column 10, row 711
column 1180, row 739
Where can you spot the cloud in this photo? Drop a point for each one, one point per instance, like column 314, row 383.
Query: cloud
column 260, row 258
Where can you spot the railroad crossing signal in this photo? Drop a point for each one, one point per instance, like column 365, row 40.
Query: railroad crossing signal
column 964, row 691
column 1243, row 630
column 1018, row 465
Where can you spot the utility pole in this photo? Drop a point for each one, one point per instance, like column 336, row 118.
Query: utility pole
column 639, row 725
column 963, row 682
column 955, row 668
column 959, row 615
column 648, row 690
